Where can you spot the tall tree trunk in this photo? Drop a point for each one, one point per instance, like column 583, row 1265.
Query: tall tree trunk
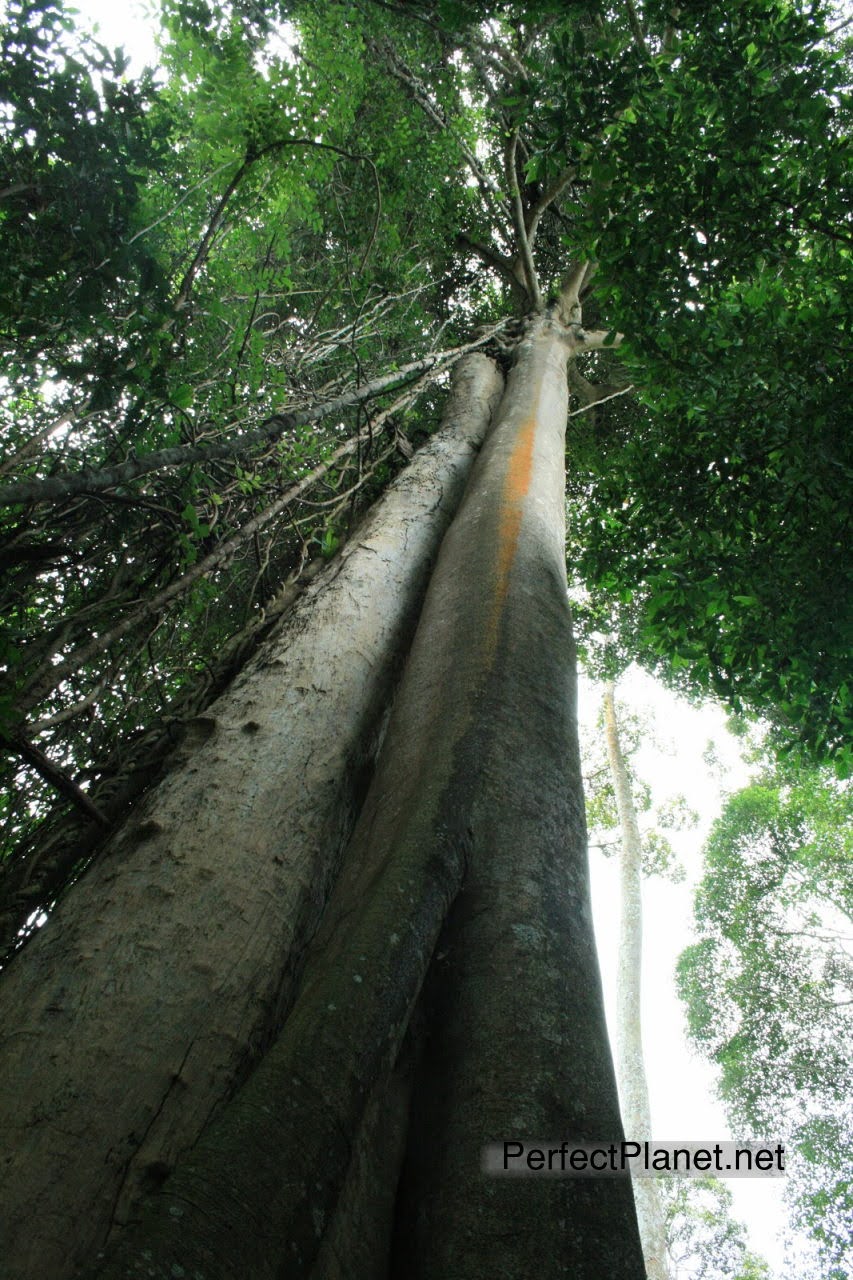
column 478, row 780
column 517, row 1047
column 168, row 969
column 630, row 1066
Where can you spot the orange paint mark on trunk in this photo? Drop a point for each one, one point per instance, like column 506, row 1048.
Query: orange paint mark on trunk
column 515, row 489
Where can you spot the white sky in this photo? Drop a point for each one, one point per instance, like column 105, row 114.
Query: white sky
column 128, row 24
column 681, row 1085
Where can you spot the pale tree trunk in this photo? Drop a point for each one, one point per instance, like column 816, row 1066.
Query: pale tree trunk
column 630, row 1066
column 477, row 784
column 167, row 971
column 516, row 1046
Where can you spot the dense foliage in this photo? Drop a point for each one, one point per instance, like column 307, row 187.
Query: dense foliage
column 205, row 273
column 768, row 985
column 705, row 1240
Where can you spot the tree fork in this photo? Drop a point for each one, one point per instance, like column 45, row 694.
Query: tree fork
column 137, row 1010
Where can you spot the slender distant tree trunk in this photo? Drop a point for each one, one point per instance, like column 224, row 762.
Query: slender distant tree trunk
column 630, row 1066
column 477, row 790
column 166, row 972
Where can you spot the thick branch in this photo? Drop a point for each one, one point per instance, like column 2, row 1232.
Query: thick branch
column 670, row 33
column 502, row 265
column 596, row 339
column 551, row 193
column 636, row 28
column 569, row 298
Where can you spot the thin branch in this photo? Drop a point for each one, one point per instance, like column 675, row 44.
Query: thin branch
column 56, row 777
column 593, row 404
column 189, row 191
column 833, row 31
column 16, row 189
column 218, row 216
column 70, row 713
column 53, row 674
column 524, row 249
column 69, row 484
column 246, row 333
column 401, row 72
column 30, row 446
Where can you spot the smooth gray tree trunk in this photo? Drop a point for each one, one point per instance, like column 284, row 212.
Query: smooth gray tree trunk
column 167, row 971
column 477, row 784
column 517, row 1046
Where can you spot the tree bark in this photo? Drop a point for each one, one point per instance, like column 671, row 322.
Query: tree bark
column 168, row 969
column 479, row 770
column 518, row 1046
column 630, row 1065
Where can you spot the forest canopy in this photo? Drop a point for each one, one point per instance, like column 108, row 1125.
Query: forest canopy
column 232, row 292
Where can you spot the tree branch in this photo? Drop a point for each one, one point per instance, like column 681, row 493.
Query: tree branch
column 568, row 302
column 218, row 215
column 636, row 28
column 53, row 674
column 524, row 250
column 45, row 768
column 69, row 484
column 601, row 399
column 552, row 193
column 596, row 339
column 492, row 258
column 401, row 72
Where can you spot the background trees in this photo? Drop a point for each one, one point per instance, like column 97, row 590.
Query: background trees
column 768, row 982
column 705, row 1241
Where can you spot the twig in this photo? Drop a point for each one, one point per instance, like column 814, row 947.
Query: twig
column 593, row 404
